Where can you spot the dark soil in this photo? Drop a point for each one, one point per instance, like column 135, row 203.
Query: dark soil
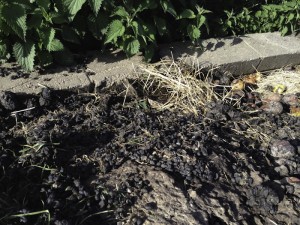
column 102, row 159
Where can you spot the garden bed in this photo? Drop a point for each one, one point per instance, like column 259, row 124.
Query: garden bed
column 127, row 156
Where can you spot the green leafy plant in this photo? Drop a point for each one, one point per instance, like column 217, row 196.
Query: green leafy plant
column 283, row 17
column 36, row 30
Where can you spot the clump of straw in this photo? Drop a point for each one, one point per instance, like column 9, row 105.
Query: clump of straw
column 174, row 85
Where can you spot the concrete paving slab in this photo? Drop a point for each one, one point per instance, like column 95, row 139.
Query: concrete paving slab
column 274, row 49
column 112, row 68
column 238, row 55
column 242, row 54
column 60, row 80
column 230, row 54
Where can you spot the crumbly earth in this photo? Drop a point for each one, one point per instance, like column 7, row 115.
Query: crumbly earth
column 102, row 159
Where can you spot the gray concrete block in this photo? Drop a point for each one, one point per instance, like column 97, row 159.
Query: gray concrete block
column 240, row 55
column 230, row 54
column 112, row 67
column 275, row 51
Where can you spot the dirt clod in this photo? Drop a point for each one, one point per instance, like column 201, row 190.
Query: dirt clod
column 282, row 149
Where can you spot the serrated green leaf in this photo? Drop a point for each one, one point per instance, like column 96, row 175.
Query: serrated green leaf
column 47, row 35
column 68, row 34
column 121, row 11
column 45, row 58
column 43, row 4
column 168, row 7
column 131, row 47
column 72, row 7
column 200, row 20
column 284, row 31
column 290, row 17
column 15, row 16
column 24, row 54
column 36, row 19
column 95, row 5
column 161, row 25
column 137, row 29
column 187, row 14
column 56, row 45
column 193, row 32
column 116, row 29
column 58, row 18
column 150, row 31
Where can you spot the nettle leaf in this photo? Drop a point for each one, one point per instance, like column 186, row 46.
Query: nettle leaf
column 137, row 29
column 70, row 35
column 15, row 16
column 116, row 29
column 290, row 17
column 193, row 32
column 95, row 5
column 58, row 18
column 168, row 7
column 284, row 31
column 150, row 31
column 200, row 20
column 72, row 6
column 43, row 4
column 131, row 47
column 24, row 54
column 47, row 35
column 187, row 14
column 56, row 45
column 121, row 11
column 36, row 19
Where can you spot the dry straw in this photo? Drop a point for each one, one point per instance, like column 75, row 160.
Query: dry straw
column 175, row 85
column 289, row 79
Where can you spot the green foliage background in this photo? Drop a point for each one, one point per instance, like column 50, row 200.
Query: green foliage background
column 46, row 31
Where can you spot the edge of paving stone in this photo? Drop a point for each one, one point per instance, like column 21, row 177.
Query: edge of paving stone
column 58, row 79
column 113, row 67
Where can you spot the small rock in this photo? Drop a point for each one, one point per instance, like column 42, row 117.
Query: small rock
column 8, row 100
column 282, row 170
column 151, row 206
column 258, row 221
column 271, row 97
column 282, row 133
column 282, row 149
column 272, row 107
column 291, row 99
